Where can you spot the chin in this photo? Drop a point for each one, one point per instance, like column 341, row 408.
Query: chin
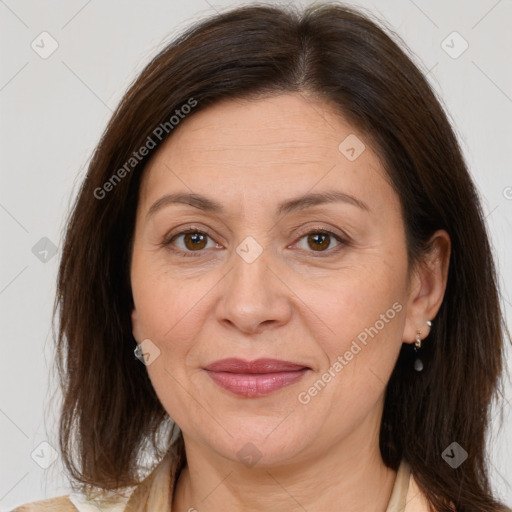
column 259, row 443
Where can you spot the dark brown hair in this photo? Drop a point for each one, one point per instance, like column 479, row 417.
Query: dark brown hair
column 111, row 413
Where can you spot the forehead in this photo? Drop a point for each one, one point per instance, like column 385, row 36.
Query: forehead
column 300, row 127
column 273, row 147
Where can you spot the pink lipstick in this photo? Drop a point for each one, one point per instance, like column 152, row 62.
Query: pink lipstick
column 257, row 378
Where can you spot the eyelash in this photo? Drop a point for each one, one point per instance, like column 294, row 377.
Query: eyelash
column 168, row 241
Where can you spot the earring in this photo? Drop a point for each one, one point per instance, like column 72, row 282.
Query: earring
column 418, row 363
column 138, row 351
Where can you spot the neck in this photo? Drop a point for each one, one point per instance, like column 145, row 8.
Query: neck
column 349, row 476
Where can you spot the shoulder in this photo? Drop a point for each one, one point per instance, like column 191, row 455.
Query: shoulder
column 58, row 504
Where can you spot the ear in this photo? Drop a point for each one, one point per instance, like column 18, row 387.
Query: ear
column 427, row 287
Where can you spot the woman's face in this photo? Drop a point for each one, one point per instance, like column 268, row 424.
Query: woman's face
column 258, row 277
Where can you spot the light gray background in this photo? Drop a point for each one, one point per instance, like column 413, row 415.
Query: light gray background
column 53, row 111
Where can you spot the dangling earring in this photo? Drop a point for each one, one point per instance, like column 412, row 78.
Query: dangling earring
column 418, row 363
column 138, row 351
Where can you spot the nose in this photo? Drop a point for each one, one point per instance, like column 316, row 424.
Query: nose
column 254, row 298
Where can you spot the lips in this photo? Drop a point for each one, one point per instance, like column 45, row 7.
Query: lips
column 257, row 378
column 234, row 365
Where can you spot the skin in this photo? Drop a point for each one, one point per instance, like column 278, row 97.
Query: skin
column 297, row 301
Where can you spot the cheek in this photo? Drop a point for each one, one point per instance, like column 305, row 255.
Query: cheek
column 362, row 301
column 359, row 360
column 170, row 314
column 364, row 314
column 163, row 302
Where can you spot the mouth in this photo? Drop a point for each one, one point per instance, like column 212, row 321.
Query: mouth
column 252, row 379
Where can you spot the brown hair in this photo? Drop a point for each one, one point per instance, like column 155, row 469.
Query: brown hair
column 334, row 52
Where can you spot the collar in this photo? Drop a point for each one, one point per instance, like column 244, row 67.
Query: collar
column 156, row 490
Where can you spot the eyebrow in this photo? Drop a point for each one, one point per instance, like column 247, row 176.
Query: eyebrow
column 299, row 203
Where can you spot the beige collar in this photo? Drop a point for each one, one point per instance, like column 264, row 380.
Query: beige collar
column 406, row 495
column 155, row 493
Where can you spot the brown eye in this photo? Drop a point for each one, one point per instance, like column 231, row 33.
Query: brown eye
column 190, row 243
column 195, row 240
column 321, row 241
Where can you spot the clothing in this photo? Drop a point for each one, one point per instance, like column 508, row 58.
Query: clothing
column 155, row 493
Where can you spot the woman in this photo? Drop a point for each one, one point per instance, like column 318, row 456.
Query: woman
column 269, row 283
